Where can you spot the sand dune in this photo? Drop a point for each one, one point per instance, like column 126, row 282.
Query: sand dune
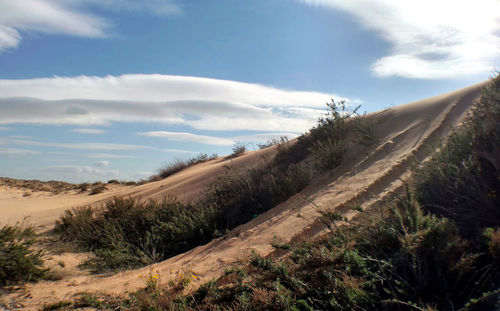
column 403, row 134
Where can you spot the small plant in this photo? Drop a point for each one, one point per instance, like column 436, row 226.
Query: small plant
column 273, row 142
column 56, row 305
column 99, row 188
column 19, row 262
column 238, row 150
column 328, row 153
column 83, row 187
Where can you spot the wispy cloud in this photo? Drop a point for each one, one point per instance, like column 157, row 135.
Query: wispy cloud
column 76, row 172
column 216, row 141
column 430, row 39
column 188, row 137
column 68, row 17
column 108, row 156
column 81, row 146
column 45, row 16
column 89, row 131
column 13, row 152
column 202, row 103
column 5, row 128
column 101, row 163
column 177, row 151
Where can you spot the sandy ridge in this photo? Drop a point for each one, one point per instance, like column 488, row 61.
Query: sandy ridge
column 404, row 134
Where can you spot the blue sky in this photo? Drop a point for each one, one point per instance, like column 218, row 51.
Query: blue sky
column 101, row 89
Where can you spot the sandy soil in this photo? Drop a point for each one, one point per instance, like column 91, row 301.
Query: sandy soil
column 403, row 134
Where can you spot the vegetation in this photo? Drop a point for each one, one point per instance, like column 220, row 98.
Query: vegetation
column 462, row 181
column 179, row 165
column 19, row 262
column 238, row 149
column 126, row 233
column 97, row 188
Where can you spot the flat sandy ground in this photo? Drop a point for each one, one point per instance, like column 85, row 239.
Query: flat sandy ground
column 403, row 134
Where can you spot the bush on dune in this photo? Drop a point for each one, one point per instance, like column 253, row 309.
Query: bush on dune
column 19, row 262
column 463, row 179
column 126, row 233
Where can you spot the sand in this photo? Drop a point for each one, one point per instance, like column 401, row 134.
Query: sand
column 403, row 134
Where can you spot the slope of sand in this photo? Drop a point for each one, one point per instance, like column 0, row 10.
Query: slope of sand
column 43, row 208
column 403, row 134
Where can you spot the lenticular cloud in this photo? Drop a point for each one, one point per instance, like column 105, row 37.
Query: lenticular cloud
column 201, row 103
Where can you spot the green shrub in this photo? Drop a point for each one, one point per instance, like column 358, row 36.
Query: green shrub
column 126, row 233
column 238, row 149
column 461, row 181
column 242, row 194
column 328, row 153
column 19, row 262
column 96, row 189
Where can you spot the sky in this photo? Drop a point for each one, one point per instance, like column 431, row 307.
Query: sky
column 115, row 89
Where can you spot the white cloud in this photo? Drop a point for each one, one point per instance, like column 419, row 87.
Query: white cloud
column 81, row 146
column 89, row 131
column 182, row 136
column 68, row 17
column 202, row 103
column 430, row 39
column 80, row 172
column 108, row 156
column 216, row 141
column 45, row 16
column 101, row 163
column 5, row 128
column 14, row 153
column 177, row 151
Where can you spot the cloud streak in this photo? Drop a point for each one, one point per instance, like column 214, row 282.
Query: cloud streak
column 45, row 16
column 74, row 172
column 430, row 39
column 79, row 146
column 89, row 131
column 108, row 156
column 188, row 137
column 201, row 103
column 14, row 152
column 216, row 141
column 68, row 17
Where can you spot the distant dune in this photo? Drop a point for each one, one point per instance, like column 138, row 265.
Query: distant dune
column 367, row 175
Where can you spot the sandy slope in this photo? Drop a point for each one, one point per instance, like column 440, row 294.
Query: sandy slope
column 404, row 133
column 43, row 208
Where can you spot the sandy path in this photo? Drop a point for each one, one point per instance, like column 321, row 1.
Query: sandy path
column 404, row 133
